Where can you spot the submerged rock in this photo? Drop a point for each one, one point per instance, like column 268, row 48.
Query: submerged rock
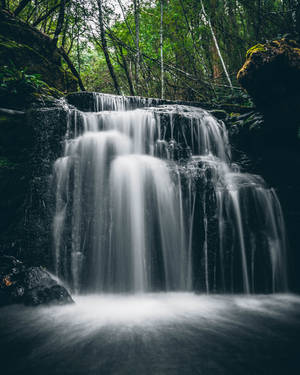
column 271, row 73
column 31, row 286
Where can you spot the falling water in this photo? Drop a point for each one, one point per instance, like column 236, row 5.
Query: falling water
column 147, row 199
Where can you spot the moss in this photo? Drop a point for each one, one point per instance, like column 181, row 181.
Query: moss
column 297, row 50
column 25, row 57
column 271, row 72
column 257, row 48
column 3, row 119
column 6, row 163
column 34, row 51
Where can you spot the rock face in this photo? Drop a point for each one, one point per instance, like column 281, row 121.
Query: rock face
column 271, row 73
column 26, row 47
column 29, row 145
column 271, row 137
column 31, row 286
column 266, row 143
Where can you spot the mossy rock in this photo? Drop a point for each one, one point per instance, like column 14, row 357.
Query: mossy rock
column 257, row 48
column 17, row 30
column 23, row 56
column 271, row 73
column 27, row 48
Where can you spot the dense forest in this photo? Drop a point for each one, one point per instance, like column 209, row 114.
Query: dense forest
column 174, row 49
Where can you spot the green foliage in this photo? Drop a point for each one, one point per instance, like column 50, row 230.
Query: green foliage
column 6, row 163
column 192, row 65
column 17, row 81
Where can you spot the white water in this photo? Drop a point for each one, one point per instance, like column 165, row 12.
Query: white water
column 161, row 333
column 135, row 213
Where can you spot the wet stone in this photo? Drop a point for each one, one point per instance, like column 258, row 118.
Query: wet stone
column 31, row 286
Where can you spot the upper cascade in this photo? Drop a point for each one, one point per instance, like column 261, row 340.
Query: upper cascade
column 148, row 199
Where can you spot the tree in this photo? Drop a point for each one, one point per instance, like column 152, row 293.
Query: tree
column 21, row 6
column 136, row 4
column 216, row 45
column 176, row 49
column 105, row 49
column 60, row 21
column 161, row 49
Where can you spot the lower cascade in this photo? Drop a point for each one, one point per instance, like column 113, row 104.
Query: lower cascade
column 148, row 199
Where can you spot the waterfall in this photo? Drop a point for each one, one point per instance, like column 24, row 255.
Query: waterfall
column 148, row 199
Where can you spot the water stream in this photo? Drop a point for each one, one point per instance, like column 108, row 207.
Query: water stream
column 147, row 199
column 176, row 258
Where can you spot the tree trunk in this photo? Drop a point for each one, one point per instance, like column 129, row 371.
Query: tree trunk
column 46, row 15
column 128, row 76
column 136, row 4
column 216, row 45
column 105, row 49
column 60, row 21
column 296, row 16
column 203, row 64
column 72, row 67
column 21, row 6
column 3, row 4
column 125, row 20
column 65, row 31
column 161, row 49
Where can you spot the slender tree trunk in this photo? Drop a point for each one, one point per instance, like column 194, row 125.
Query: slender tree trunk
column 193, row 40
column 60, row 21
column 105, row 49
column 125, row 19
column 21, row 6
column 216, row 45
column 258, row 20
column 123, row 64
column 49, row 24
column 128, row 76
column 136, row 4
column 71, row 44
column 298, row 17
column 72, row 68
column 65, row 31
column 161, row 50
column 29, row 15
column 78, row 53
column 3, row 4
column 46, row 15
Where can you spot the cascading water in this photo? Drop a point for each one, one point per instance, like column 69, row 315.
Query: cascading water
column 147, row 199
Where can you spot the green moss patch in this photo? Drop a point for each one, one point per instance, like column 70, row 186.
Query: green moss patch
column 257, row 48
column 5, row 163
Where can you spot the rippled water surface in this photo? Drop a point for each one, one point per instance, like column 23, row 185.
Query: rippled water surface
column 173, row 333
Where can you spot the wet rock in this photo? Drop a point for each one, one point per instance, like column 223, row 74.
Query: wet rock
column 37, row 277
column 219, row 114
column 10, row 266
column 31, row 286
column 56, row 294
column 271, row 73
column 29, row 146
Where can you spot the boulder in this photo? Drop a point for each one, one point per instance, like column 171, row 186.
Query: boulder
column 271, row 73
column 31, row 286
column 56, row 294
column 29, row 49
